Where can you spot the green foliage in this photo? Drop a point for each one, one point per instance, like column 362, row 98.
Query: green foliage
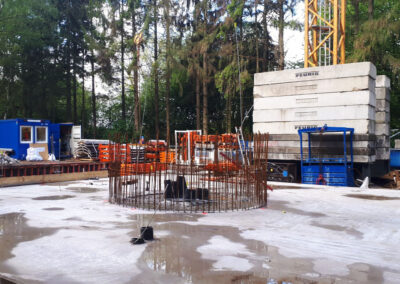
column 378, row 41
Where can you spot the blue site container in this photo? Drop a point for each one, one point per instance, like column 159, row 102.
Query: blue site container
column 328, row 171
column 395, row 158
column 17, row 134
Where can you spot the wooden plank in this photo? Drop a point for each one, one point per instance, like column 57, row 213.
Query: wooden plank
column 39, row 179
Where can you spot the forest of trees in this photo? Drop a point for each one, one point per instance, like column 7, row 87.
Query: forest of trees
column 170, row 64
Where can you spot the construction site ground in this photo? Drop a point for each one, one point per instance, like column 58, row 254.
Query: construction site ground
column 69, row 233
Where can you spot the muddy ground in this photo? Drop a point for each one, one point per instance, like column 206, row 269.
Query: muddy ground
column 69, row 233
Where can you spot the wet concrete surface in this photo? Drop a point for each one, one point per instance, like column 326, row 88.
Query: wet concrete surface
column 372, row 197
column 83, row 189
column 182, row 247
column 53, row 197
column 348, row 230
column 14, row 230
column 282, row 206
column 176, row 254
column 53, row 208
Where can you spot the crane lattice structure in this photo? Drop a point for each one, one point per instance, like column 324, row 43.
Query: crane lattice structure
column 324, row 30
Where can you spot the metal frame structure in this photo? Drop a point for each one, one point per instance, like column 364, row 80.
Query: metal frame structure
column 227, row 184
column 324, row 32
column 336, row 171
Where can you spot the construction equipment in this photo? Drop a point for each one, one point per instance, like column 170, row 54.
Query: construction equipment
column 327, row 168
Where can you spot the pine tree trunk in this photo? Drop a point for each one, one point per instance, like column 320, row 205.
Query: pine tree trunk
column 135, row 52
column 74, row 94
column 356, row 4
column 68, row 83
column 168, row 71
column 83, row 111
column 156, row 95
column 229, row 114
column 265, row 33
column 370, row 10
column 93, row 97
column 122, row 64
column 198, row 113
column 256, row 33
column 205, row 95
column 281, row 59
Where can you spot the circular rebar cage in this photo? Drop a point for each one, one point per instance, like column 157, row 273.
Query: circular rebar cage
column 207, row 176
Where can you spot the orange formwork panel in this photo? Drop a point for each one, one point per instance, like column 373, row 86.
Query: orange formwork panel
column 141, row 168
column 167, row 157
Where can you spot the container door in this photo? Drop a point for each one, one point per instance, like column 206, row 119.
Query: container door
column 54, row 140
column 76, row 135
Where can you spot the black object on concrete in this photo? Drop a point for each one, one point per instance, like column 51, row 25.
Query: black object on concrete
column 202, row 193
column 168, row 188
column 147, row 233
column 137, row 241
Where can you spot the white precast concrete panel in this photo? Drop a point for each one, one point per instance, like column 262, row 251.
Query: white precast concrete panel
column 316, row 73
column 382, row 81
column 315, row 87
column 315, row 113
column 382, row 129
column 383, row 153
column 382, row 117
column 361, row 126
column 382, row 105
column 382, row 93
column 316, row 100
column 296, row 157
column 383, row 141
column 316, row 143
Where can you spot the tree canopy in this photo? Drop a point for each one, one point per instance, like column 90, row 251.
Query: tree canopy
column 150, row 67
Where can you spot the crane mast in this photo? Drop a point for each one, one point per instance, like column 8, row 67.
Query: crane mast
column 324, row 32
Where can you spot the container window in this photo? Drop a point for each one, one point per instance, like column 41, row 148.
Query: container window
column 41, row 134
column 26, row 134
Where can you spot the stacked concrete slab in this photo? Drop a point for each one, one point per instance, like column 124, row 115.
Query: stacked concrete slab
column 382, row 119
column 339, row 95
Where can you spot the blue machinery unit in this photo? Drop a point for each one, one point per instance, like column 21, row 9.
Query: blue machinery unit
column 336, row 171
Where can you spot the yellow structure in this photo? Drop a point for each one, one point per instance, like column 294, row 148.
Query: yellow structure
column 324, row 32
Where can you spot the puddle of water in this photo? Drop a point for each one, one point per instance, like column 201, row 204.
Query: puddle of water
column 163, row 218
column 83, row 189
column 372, row 197
column 74, row 219
column 53, row 208
column 53, row 197
column 13, row 230
column 175, row 254
column 281, row 206
column 366, row 273
column 348, row 230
